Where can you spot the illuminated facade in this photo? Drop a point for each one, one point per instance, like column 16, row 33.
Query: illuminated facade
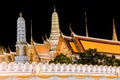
column 30, row 61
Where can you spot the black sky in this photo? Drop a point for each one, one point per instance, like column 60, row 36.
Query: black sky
column 99, row 14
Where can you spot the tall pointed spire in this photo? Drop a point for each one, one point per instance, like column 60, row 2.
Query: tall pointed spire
column 114, row 37
column 21, row 43
column 31, row 34
column 86, row 25
column 21, row 29
column 55, row 31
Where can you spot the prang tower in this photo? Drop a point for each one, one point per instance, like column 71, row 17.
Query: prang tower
column 55, row 31
column 21, row 44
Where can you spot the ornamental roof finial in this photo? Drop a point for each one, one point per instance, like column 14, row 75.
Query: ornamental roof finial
column 20, row 14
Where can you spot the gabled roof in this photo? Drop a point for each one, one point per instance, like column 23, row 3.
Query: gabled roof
column 41, row 48
column 84, row 43
column 70, row 43
column 102, row 45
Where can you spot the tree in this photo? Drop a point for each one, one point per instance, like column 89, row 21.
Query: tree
column 92, row 56
column 62, row 59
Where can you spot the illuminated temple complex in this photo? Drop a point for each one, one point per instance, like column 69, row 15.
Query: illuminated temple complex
column 30, row 61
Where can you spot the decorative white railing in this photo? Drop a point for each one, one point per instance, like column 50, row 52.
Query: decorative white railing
column 27, row 68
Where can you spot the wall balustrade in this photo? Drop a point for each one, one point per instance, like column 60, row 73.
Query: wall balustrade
column 57, row 68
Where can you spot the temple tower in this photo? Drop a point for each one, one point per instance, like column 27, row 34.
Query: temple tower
column 21, row 44
column 55, row 31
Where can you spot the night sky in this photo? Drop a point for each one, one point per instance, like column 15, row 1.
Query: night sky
column 99, row 14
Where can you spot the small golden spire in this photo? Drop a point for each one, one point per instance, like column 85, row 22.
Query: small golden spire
column 20, row 14
column 114, row 37
column 86, row 25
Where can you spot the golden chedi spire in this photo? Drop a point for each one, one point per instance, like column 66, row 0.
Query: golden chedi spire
column 114, row 36
column 86, row 25
column 55, row 31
